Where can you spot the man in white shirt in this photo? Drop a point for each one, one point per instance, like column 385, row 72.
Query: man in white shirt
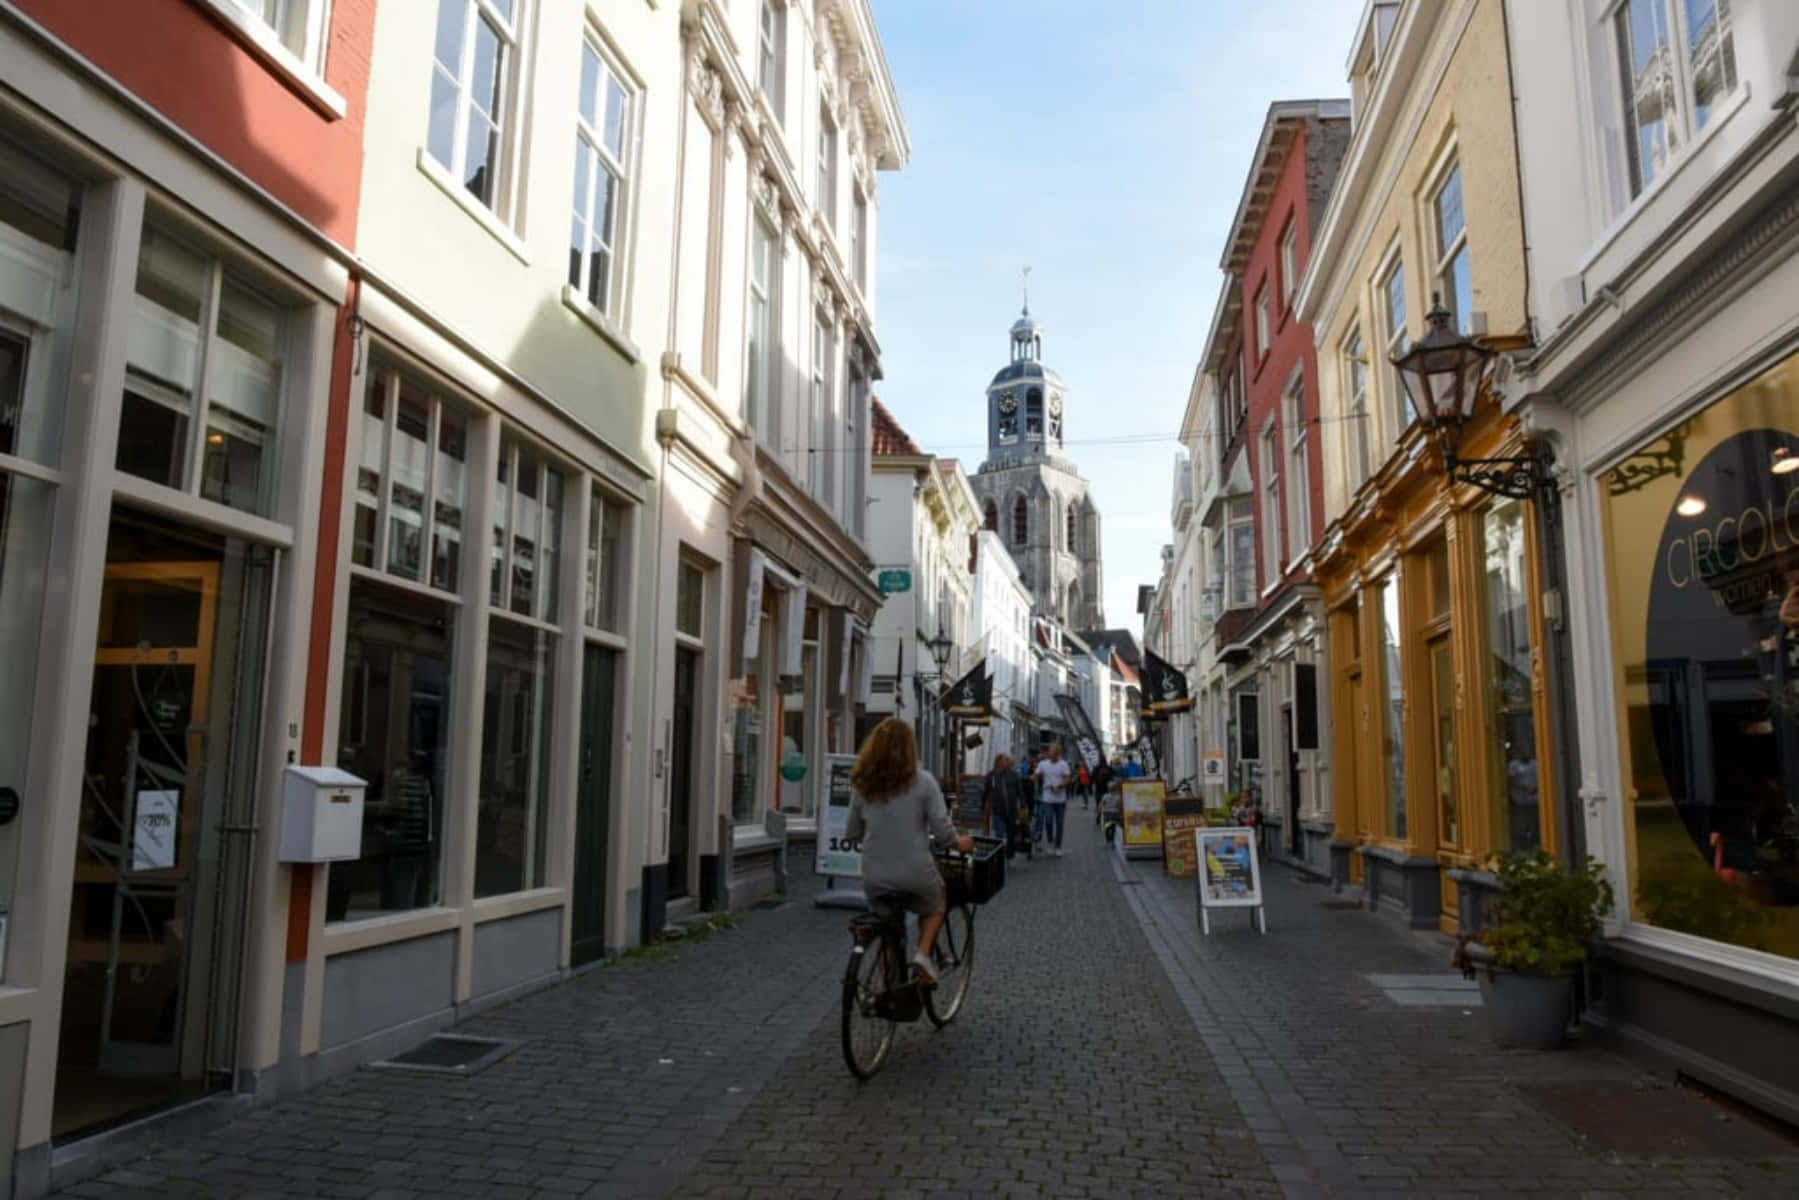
column 1053, row 773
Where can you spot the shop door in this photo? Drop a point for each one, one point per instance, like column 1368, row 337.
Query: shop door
column 680, row 783
column 162, row 857
column 593, row 803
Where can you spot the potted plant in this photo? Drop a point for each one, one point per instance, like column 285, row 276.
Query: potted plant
column 1537, row 935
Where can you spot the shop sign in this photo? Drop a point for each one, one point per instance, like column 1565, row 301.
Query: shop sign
column 1179, row 844
column 1230, row 876
column 153, row 831
column 893, row 580
column 1212, row 766
column 838, row 855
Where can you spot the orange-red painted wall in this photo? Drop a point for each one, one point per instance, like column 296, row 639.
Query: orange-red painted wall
column 183, row 62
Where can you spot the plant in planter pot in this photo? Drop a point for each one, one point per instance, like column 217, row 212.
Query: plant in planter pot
column 1537, row 935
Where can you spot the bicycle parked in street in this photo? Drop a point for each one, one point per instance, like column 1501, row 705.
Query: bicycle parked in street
column 880, row 990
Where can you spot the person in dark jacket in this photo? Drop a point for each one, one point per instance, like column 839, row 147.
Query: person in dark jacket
column 1001, row 799
column 1102, row 783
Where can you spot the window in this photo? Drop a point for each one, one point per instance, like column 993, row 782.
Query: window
column 690, row 599
column 1289, row 265
column 1299, row 477
column 470, row 88
column 1355, row 430
column 602, row 132
column 1512, row 757
column 191, row 316
column 1393, row 724
column 607, row 573
column 1262, row 325
column 990, row 516
column 1242, row 549
column 824, row 381
column 1677, row 60
column 1453, row 282
column 517, row 713
column 297, row 26
column 1271, row 504
column 1021, row 522
column 1074, row 541
column 409, row 495
column 1033, row 412
column 1393, row 293
column 827, row 166
column 859, row 239
column 771, row 54
column 393, row 731
column 759, row 371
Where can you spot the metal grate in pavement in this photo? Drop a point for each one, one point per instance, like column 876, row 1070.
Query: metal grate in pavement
column 450, row 1054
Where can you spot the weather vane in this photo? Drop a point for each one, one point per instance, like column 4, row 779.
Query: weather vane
column 1027, row 291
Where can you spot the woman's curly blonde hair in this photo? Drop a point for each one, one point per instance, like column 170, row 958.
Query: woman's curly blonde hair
column 887, row 762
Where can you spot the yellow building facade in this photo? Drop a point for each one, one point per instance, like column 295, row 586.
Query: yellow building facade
column 1442, row 744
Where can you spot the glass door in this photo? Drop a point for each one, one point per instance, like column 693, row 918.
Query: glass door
column 593, row 803
column 680, row 785
column 157, row 908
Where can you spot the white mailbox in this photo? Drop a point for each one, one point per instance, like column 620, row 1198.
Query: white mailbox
column 321, row 815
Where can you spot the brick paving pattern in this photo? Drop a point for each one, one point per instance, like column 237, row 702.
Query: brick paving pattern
column 1106, row 1049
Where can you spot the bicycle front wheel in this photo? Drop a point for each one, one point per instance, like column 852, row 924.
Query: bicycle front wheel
column 953, row 958
column 867, row 1036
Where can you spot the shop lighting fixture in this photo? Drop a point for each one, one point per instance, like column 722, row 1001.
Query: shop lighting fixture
column 1785, row 461
column 1690, row 505
column 1442, row 373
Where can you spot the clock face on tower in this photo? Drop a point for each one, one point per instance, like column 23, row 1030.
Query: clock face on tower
column 1055, row 405
column 1008, row 402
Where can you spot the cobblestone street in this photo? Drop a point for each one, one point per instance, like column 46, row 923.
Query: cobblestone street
column 1105, row 1050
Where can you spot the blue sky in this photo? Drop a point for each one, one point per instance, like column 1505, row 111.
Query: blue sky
column 1104, row 143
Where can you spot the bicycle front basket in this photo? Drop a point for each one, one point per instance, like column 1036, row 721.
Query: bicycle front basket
column 977, row 877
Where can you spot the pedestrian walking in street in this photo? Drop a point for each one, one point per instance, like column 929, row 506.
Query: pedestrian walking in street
column 1001, row 799
column 896, row 809
column 1053, row 775
column 1103, row 776
column 1084, row 784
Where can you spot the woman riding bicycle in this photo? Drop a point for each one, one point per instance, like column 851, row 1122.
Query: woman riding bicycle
column 895, row 809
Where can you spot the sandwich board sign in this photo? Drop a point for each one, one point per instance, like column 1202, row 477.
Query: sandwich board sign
column 1229, row 874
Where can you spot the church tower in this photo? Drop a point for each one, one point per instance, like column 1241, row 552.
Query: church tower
column 1031, row 494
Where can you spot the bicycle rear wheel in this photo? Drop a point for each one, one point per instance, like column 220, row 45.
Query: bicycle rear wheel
column 867, row 1036
column 953, row 959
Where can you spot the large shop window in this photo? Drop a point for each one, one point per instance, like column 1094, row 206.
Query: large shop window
column 197, row 329
column 1706, row 634
column 1393, row 717
column 749, row 705
column 393, row 730
column 521, row 677
column 1517, row 821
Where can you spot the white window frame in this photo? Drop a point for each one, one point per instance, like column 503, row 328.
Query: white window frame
column 1299, row 486
column 1356, row 448
column 1262, row 325
column 771, row 55
column 1682, row 126
column 1241, row 590
column 859, row 237
column 1289, row 268
column 823, row 474
column 827, row 165
column 621, row 168
column 511, row 34
column 1270, row 454
column 1446, row 251
column 293, row 42
column 1395, row 337
column 761, row 343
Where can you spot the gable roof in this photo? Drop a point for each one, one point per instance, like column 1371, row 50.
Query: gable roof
column 890, row 441
column 1121, row 642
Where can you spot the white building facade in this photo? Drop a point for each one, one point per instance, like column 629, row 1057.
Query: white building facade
column 1002, row 623
column 1659, row 153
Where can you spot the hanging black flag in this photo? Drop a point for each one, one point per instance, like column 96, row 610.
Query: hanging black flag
column 1147, row 754
column 1164, row 689
column 971, row 697
column 1086, row 740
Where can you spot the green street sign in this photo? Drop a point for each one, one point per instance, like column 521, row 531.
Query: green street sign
column 894, row 580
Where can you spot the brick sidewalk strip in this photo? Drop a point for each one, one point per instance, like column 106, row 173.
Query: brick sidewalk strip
column 1106, row 1050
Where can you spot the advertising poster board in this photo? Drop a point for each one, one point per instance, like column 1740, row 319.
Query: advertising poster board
column 1143, row 799
column 1212, row 768
column 968, row 801
column 1229, row 874
column 1181, row 815
column 838, row 856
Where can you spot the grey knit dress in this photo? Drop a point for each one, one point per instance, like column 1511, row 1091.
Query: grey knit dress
column 897, row 867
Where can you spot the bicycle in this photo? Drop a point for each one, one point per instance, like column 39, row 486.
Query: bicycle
column 879, row 990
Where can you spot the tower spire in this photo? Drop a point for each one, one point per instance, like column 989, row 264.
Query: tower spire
column 1027, row 291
